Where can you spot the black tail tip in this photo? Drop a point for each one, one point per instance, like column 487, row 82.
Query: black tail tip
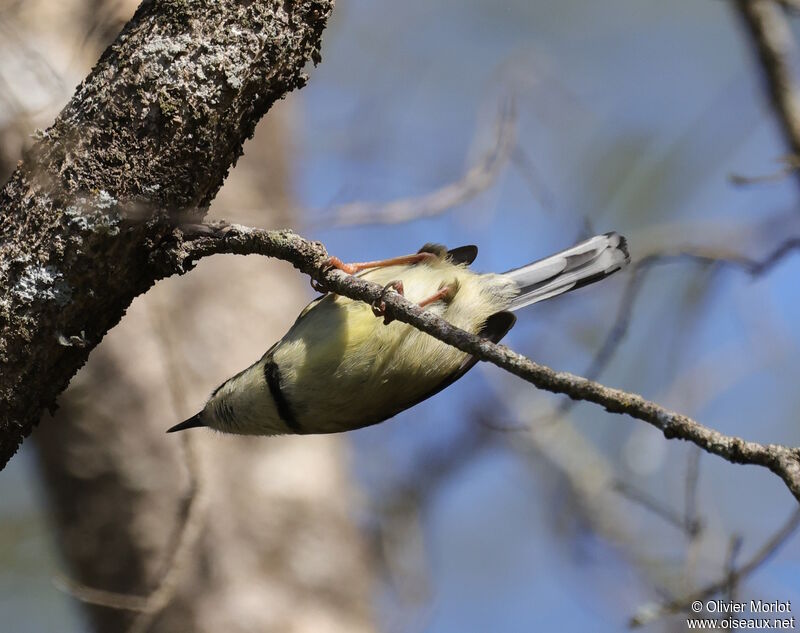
column 621, row 245
column 191, row 423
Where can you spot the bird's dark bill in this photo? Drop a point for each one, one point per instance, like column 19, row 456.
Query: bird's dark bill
column 191, row 423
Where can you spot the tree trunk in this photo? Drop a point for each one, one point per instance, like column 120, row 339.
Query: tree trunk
column 145, row 142
column 271, row 544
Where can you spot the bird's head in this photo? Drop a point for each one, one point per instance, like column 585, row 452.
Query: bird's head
column 242, row 405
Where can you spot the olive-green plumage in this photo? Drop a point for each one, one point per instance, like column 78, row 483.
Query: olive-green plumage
column 340, row 368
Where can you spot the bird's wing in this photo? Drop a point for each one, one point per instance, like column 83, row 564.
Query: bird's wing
column 495, row 328
column 463, row 254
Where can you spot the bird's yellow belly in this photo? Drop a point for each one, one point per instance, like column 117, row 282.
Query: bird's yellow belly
column 342, row 368
column 360, row 371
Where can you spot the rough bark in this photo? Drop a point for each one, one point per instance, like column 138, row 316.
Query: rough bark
column 147, row 140
column 274, row 525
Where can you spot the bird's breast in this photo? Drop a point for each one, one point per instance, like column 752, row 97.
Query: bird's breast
column 342, row 368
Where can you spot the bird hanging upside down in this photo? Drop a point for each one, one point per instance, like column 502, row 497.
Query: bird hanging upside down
column 340, row 368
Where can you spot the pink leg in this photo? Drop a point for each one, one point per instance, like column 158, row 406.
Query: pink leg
column 357, row 267
column 445, row 292
column 352, row 269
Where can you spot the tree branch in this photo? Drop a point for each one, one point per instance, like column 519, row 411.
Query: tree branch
column 772, row 39
column 649, row 613
column 477, row 179
column 308, row 257
column 150, row 134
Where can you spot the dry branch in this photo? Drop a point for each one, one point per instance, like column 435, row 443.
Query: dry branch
column 308, row 257
column 777, row 540
column 772, row 39
column 477, row 179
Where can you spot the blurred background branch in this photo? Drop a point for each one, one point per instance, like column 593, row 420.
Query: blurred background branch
column 735, row 575
column 477, row 179
column 775, row 48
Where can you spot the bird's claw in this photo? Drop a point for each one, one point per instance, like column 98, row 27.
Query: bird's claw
column 318, row 286
column 379, row 305
column 335, row 262
column 329, row 264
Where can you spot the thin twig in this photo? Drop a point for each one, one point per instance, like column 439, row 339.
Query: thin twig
column 653, row 504
column 533, row 179
column 179, row 550
column 642, row 268
column 693, row 525
column 640, row 271
column 734, row 548
column 691, row 522
column 765, row 552
column 179, row 554
column 772, row 38
column 790, row 164
column 310, row 257
column 191, row 523
column 792, row 6
column 99, row 597
column 540, row 430
column 475, row 180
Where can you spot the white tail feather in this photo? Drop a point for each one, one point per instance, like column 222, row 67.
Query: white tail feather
column 580, row 265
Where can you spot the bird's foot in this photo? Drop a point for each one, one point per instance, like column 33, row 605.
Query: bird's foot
column 445, row 293
column 329, row 264
column 379, row 305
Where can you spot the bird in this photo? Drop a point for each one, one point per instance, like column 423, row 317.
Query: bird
column 340, row 367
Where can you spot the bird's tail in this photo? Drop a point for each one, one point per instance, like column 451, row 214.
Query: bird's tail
column 583, row 264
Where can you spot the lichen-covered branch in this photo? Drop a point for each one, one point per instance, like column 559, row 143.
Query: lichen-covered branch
column 308, row 257
column 149, row 136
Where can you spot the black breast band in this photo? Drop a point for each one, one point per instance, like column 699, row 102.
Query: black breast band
column 273, row 378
